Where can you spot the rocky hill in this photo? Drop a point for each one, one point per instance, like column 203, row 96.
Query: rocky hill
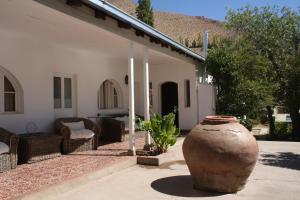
column 178, row 26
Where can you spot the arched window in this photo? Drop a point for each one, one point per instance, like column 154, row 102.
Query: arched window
column 11, row 93
column 110, row 95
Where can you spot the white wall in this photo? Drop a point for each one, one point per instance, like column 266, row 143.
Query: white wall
column 177, row 73
column 34, row 61
column 206, row 101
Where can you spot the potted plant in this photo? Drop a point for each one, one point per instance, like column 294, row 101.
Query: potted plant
column 163, row 131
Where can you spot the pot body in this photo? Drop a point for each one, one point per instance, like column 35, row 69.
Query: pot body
column 220, row 156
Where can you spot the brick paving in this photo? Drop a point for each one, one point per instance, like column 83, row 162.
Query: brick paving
column 28, row 178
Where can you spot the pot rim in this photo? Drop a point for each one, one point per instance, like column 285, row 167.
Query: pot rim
column 219, row 119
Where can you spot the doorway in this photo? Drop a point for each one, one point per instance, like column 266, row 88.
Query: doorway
column 169, row 99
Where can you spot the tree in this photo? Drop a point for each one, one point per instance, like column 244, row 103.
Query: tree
column 194, row 44
column 274, row 33
column 238, row 71
column 200, row 40
column 144, row 12
column 187, row 42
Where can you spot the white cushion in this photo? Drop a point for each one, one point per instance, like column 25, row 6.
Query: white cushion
column 3, row 148
column 123, row 119
column 75, row 126
column 82, row 134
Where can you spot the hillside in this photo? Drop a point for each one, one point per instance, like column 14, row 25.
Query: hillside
column 178, row 26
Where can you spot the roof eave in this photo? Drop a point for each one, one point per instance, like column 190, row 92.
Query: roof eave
column 134, row 22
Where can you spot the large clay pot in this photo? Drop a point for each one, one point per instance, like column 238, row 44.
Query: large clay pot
column 220, row 154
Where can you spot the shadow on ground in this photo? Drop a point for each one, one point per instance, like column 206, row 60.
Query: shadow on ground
column 180, row 186
column 281, row 159
column 172, row 165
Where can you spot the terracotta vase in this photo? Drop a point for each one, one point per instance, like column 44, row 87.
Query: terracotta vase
column 220, row 154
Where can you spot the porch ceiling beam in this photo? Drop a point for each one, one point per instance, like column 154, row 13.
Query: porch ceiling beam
column 123, row 25
column 100, row 14
column 131, row 99
column 146, row 92
column 74, row 2
column 139, row 33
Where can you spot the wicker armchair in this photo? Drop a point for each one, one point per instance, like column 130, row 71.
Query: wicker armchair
column 76, row 145
column 8, row 160
column 113, row 130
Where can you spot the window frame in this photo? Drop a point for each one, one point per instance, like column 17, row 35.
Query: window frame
column 114, row 91
column 62, row 91
column 18, row 93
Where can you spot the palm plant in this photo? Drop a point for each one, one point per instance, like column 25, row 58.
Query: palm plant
column 162, row 130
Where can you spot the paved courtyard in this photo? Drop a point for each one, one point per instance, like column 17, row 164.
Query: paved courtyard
column 276, row 176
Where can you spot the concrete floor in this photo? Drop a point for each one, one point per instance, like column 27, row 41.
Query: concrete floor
column 276, row 176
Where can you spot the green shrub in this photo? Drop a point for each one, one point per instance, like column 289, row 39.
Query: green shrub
column 283, row 128
column 248, row 123
column 162, row 130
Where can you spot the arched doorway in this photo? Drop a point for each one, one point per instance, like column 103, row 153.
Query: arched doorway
column 169, row 99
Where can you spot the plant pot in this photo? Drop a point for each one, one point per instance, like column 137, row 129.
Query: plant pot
column 220, row 154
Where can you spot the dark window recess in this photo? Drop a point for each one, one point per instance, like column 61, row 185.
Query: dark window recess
column 187, row 93
column 9, row 96
column 57, row 92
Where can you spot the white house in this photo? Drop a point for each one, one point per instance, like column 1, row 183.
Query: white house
column 281, row 114
column 84, row 57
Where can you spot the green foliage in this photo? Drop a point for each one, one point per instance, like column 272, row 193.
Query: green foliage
column 239, row 75
column 162, row 130
column 283, row 129
column 260, row 66
column 274, row 33
column 144, row 12
column 248, row 123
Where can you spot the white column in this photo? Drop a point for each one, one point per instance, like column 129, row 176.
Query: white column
column 146, row 93
column 131, row 99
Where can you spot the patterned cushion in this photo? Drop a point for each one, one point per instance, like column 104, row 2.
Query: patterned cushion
column 82, row 134
column 3, row 148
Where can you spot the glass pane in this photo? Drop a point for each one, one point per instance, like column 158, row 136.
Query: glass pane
column 57, row 92
column 8, row 86
column 68, row 92
column 9, row 102
column 115, row 99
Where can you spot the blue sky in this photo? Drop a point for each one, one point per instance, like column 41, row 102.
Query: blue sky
column 215, row 9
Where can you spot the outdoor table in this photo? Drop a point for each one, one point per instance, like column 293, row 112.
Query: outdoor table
column 35, row 147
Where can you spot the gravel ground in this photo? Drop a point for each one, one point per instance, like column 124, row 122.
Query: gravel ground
column 28, row 178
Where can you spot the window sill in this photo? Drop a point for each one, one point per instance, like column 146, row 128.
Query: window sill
column 11, row 113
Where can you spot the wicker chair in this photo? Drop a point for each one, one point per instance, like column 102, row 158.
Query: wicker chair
column 8, row 160
column 113, row 130
column 76, row 145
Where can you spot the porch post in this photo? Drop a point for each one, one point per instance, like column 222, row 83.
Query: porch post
column 146, row 92
column 131, row 99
